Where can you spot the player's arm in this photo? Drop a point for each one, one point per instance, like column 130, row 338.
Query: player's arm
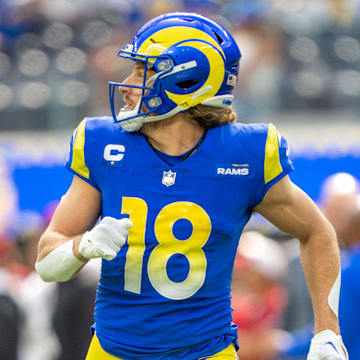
column 292, row 211
column 76, row 213
column 67, row 244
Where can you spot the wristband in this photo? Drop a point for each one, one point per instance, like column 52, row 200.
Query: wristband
column 60, row 264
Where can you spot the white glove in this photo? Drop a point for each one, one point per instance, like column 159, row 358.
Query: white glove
column 326, row 345
column 106, row 239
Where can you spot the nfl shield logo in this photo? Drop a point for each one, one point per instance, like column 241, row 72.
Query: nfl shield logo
column 168, row 178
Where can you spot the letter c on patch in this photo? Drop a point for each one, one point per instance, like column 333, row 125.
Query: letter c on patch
column 114, row 152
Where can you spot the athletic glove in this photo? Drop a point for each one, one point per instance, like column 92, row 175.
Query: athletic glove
column 326, row 345
column 106, row 239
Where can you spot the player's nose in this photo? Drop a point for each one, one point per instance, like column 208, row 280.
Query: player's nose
column 130, row 80
column 123, row 88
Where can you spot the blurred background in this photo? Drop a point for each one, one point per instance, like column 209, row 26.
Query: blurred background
column 300, row 70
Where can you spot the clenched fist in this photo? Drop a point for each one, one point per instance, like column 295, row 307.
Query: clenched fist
column 326, row 345
column 106, row 239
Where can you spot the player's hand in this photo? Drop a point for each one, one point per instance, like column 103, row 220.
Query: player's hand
column 326, row 345
column 106, row 239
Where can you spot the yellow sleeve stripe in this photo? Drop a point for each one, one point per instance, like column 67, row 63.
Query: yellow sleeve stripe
column 272, row 165
column 78, row 158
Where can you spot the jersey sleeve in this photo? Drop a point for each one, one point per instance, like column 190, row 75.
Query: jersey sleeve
column 79, row 159
column 275, row 162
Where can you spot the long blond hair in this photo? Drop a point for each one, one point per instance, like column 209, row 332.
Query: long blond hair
column 208, row 116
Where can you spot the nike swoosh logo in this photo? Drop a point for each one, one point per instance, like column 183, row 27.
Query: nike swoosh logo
column 330, row 343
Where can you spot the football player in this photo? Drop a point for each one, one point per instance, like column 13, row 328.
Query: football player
column 174, row 180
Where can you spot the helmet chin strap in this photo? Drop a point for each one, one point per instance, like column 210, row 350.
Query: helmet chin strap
column 136, row 122
column 133, row 124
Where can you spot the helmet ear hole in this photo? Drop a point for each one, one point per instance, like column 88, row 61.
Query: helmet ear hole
column 187, row 84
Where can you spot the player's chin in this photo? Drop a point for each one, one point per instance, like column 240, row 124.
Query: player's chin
column 129, row 106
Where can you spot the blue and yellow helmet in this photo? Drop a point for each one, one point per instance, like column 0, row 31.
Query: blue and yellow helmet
column 196, row 62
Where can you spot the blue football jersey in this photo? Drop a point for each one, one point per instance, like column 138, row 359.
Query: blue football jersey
column 167, row 293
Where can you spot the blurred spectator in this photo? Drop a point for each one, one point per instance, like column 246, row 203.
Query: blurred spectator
column 258, row 295
column 260, row 67
column 349, row 311
column 296, row 55
column 341, row 202
column 73, row 313
column 298, row 342
column 56, row 317
column 10, row 325
column 10, row 318
column 26, row 231
column 35, row 298
column 298, row 311
column 73, row 307
column 8, row 197
column 55, row 60
column 37, row 301
column 337, row 201
column 11, row 267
